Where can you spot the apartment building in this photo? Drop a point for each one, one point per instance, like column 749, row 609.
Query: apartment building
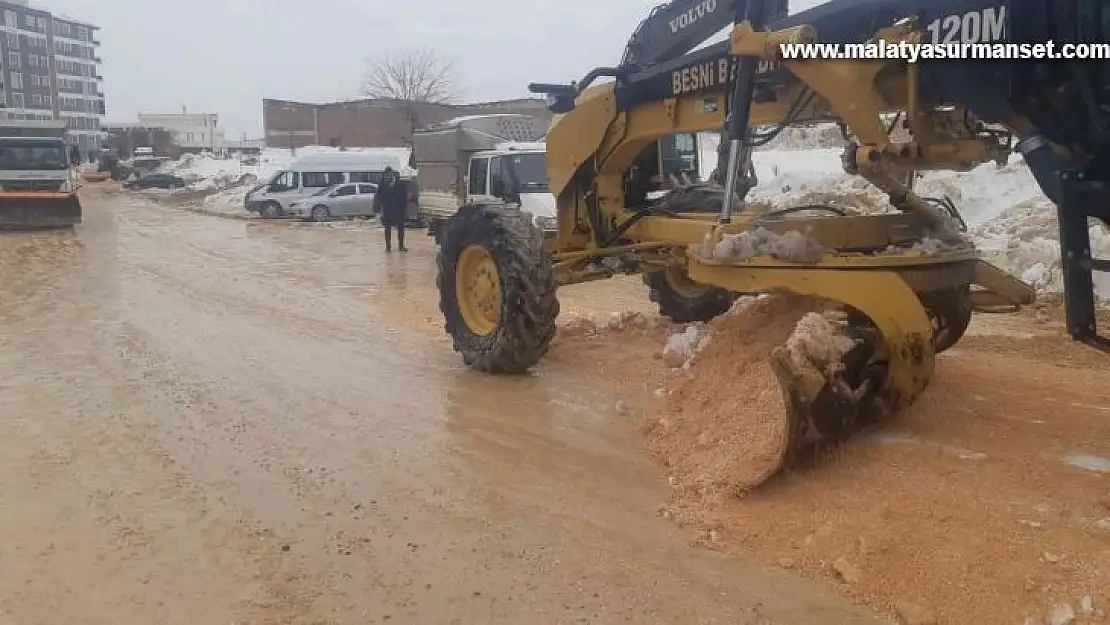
column 49, row 70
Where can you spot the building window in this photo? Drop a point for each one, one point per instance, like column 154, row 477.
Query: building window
column 82, row 33
column 17, row 101
column 47, row 102
column 41, row 23
column 36, row 99
column 13, row 41
column 11, row 20
column 29, row 20
column 13, row 60
column 17, row 80
column 33, row 60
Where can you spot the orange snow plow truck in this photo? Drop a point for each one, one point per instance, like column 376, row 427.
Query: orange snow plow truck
column 38, row 185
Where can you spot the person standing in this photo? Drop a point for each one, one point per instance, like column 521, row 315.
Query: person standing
column 391, row 201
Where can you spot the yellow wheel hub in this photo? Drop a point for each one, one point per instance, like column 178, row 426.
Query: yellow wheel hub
column 478, row 290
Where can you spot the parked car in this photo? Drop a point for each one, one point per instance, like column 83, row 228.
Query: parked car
column 310, row 173
column 340, row 200
column 156, row 181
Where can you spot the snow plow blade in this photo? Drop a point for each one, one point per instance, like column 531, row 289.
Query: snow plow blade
column 20, row 211
column 844, row 351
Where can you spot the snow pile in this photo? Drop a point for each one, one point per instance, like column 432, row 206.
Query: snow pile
column 1024, row 240
column 229, row 200
column 207, row 172
column 1008, row 216
column 791, row 246
column 682, row 347
column 627, row 319
column 816, row 348
column 578, row 325
column 807, row 138
column 925, row 246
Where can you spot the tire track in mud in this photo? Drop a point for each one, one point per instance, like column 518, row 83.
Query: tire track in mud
column 107, row 515
column 327, row 480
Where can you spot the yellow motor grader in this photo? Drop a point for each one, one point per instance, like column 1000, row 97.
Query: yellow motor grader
column 908, row 279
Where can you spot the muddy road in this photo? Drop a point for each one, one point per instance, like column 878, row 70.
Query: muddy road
column 213, row 421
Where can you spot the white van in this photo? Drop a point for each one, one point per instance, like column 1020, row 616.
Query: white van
column 311, row 173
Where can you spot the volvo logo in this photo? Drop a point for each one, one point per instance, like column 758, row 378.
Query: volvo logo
column 693, row 15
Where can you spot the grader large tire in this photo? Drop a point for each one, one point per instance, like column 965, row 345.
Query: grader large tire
column 497, row 289
column 682, row 300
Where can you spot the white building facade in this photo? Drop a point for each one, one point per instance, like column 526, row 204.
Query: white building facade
column 191, row 131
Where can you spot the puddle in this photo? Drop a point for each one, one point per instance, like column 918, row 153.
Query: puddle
column 1090, row 463
column 892, row 438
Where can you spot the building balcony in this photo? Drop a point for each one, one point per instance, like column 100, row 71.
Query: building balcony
column 97, row 77
column 96, row 59
column 96, row 42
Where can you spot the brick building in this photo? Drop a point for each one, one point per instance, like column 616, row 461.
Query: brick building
column 371, row 123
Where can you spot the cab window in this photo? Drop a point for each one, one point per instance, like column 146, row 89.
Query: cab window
column 286, row 181
column 496, row 178
column 344, row 191
column 479, row 171
column 367, row 189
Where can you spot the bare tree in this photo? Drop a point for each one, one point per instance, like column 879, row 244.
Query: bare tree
column 414, row 76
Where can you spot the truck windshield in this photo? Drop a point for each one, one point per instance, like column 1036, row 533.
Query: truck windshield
column 23, row 154
column 530, row 170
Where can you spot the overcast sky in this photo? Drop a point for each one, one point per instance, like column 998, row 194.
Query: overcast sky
column 224, row 56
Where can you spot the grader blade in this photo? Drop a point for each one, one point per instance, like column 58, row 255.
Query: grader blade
column 843, row 351
column 38, row 210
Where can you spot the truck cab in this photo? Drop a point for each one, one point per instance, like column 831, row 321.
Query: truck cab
column 495, row 158
column 515, row 173
column 38, row 187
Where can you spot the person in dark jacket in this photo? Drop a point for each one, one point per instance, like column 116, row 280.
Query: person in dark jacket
column 390, row 202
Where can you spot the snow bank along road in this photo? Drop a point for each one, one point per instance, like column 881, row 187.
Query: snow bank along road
column 211, row 421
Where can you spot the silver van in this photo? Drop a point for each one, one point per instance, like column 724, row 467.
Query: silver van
column 312, row 173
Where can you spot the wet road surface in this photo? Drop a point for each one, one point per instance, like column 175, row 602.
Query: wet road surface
column 212, row 421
